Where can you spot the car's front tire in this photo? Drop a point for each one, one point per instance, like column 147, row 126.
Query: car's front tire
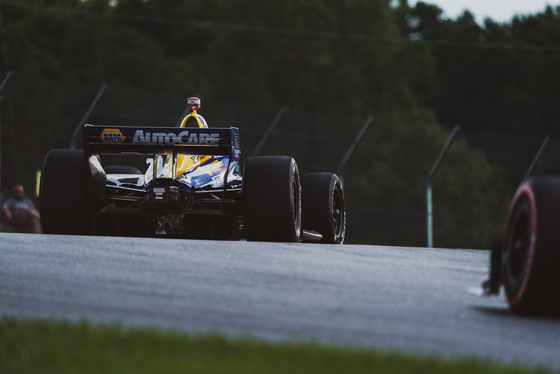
column 323, row 208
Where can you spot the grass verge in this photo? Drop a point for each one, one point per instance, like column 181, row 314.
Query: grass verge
column 39, row 346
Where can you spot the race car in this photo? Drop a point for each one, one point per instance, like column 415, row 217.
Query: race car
column 526, row 259
column 192, row 188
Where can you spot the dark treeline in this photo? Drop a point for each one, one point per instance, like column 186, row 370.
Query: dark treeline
column 417, row 72
column 352, row 56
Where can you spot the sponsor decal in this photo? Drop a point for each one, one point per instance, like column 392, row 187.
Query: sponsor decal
column 158, row 193
column 184, row 137
column 112, row 136
column 193, row 101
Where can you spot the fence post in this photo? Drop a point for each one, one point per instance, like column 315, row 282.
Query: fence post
column 429, row 218
column 100, row 93
column 536, row 158
column 268, row 132
column 352, row 148
column 2, row 86
column 5, row 81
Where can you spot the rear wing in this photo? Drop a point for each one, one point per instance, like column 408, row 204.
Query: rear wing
column 157, row 140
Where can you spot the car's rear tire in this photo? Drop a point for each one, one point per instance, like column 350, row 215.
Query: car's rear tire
column 323, row 208
column 531, row 252
column 272, row 199
column 65, row 198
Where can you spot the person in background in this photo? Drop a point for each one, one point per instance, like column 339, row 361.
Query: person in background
column 20, row 212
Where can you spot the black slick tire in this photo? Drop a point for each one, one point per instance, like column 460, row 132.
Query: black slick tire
column 531, row 248
column 65, row 198
column 272, row 199
column 323, row 208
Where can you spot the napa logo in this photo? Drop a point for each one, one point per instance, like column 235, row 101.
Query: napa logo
column 112, row 136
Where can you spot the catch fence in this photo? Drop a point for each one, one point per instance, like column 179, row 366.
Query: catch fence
column 385, row 165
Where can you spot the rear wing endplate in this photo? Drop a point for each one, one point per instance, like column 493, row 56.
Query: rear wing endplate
column 151, row 140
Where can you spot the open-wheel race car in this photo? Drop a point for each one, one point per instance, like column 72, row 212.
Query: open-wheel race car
column 525, row 261
column 193, row 188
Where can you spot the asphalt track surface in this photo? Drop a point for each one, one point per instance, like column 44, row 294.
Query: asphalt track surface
column 411, row 300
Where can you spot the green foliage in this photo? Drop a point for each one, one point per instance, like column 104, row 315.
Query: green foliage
column 359, row 56
column 62, row 347
column 494, row 76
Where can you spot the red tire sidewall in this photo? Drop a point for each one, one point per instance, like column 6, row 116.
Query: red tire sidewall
column 524, row 191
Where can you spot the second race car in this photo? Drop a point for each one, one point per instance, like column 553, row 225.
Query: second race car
column 525, row 260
